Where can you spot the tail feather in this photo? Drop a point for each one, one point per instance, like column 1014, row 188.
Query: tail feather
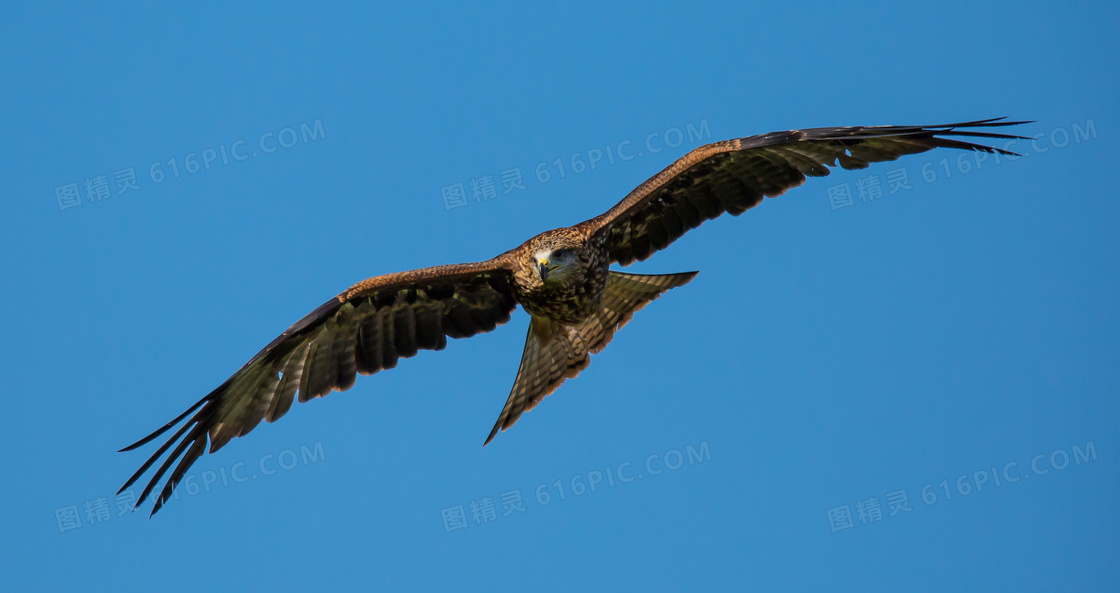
column 555, row 352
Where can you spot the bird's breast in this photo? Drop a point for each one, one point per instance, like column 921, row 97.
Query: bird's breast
column 567, row 302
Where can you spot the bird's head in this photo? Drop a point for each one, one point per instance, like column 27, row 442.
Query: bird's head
column 556, row 264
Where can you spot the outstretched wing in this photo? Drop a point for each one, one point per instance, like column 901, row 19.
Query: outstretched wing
column 363, row 330
column 733, row 176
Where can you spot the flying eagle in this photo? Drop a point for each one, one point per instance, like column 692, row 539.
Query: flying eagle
column 561, row 278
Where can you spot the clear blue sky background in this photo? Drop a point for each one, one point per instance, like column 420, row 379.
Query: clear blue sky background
column 825, row 358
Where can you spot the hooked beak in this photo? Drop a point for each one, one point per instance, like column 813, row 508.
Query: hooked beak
column 544, row 268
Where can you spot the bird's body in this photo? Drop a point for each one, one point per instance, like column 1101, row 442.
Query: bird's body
column 569, row 299
column 560, row 277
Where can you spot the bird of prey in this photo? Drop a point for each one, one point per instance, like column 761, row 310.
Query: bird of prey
column 560, row 277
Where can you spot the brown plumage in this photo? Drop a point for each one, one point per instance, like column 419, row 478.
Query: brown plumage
column 560, row 277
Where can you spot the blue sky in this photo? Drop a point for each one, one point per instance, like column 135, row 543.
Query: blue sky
column 181, row 184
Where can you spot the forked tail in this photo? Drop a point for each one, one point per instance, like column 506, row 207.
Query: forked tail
column 554, row 352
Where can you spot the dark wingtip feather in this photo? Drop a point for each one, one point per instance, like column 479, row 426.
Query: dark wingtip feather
column 958, row 129
column 992, row 122
column 162, row 470
column 493, row 432
column 151, row 460
column 192, row 455
column 955, row 132
column 191, row 425
column 169, row 425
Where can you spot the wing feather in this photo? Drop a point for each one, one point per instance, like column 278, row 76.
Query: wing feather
column 733, row 176
column 289, row 383
column 367, row 328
